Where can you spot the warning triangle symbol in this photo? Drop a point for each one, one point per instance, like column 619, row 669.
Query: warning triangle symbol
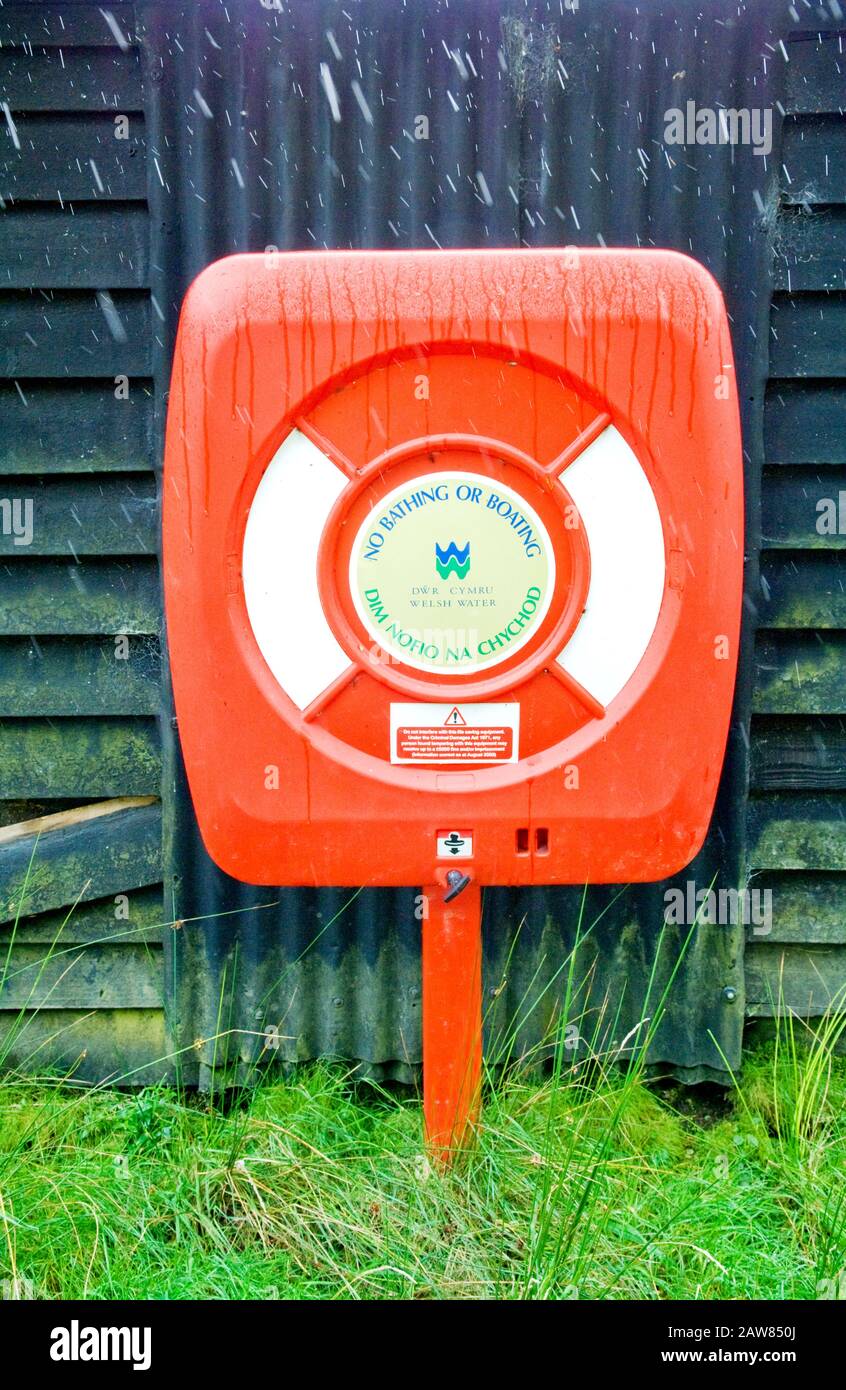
column 455, row 716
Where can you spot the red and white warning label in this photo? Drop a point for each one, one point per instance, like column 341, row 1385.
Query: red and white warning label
column 469, row 733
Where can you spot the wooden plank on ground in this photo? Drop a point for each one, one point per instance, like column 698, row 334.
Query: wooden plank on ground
column 93, row 852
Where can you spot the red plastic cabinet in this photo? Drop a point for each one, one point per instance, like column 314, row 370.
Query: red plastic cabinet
column 453, row 555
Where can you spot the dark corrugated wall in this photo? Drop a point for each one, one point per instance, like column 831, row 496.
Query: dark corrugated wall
column 561, row 111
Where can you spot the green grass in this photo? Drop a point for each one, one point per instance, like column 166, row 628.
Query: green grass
column 581, row 1186
column 588, row 1184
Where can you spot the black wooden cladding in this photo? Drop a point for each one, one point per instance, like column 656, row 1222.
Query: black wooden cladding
column 795, row 753
column 815, row 77
column 69, row 758
column 800, row 672
column 54, row 676
column 92, row 922
column 111, row 333
column 793, row 504
column 111, row 850
column 801, row 831
column 71, row 79
column 75, row 156
column 803, row 421
column 813, row 160
column 797, row 807
column 805, row 981
column 808, row 335
column 80, row 675
column 41, row 29
column 79, row 596
column 85, row 515
column 96, row 977
column 801, row 589
column 811, row 908
column 109, row 432
column 89, row 246
column 231, row 145
column 809, row 249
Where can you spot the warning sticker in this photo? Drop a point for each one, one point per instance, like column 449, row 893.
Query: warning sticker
column 429, row 733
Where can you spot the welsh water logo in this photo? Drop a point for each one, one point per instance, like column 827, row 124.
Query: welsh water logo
column 452, row 560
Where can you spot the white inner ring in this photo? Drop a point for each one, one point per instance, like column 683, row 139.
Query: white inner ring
column 279, row 566
column 626, row 539
column 621, row 521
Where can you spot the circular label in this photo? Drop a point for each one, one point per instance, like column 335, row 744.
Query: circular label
column 452, row 572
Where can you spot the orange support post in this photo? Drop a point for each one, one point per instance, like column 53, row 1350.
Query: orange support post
column 452, row 1017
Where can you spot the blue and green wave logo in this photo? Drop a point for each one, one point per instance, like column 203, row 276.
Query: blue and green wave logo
column 452, row 560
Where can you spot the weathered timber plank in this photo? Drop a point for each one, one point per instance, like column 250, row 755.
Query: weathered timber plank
column 58, row 158
column 809, row 250
column 797, row 754
column 76, row 426
column 803, row 422
column 802, row 589
column 126, row 1047
column 83, row 977
column 73, row 79
column 806, row 981
column 113, row 849
column 803, row 508
column 813, row 163
column 800, row 672
column 806, row 908
column 83, row 676
column 81, row 246
column 57, row 597
column 107, row 757
column 808, row 335
column 79, row 515
column 37, row 26
column 797, row 832
column 75, row 333
column 816, row 73
column 135, row 918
